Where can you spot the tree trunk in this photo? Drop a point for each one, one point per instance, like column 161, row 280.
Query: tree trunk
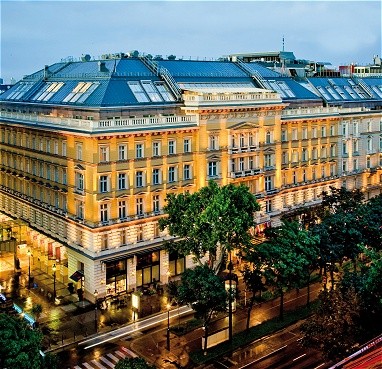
column 205, row 338
column 308, row 292
column 281, row 304
column 249, row 310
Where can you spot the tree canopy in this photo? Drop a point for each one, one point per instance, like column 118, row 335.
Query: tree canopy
column 19, row 344
column 208, row 219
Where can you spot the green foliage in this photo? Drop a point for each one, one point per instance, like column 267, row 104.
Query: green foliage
column 212, row 217
column 246, row 337
column 204, row 291
column 334, row 327
column 133, row 363
column 287, row 257
column 37, row 310
column 19, row 344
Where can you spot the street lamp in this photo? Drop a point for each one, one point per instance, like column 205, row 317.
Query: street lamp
column 29, row 268
column 54, row 282
column 168, row 327
column 95, row 311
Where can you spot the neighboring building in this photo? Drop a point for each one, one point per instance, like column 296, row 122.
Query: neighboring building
column 90, row 149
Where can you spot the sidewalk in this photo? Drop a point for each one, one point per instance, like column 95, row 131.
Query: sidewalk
column 73, row 322
column 153, row 346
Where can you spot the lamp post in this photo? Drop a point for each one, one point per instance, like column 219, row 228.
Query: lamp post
column 230, row 299
column 54, row 282
column 29, row 268
column 168, row 327
column 95, row 311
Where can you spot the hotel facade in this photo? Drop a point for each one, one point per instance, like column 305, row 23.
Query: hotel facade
column 89, row 150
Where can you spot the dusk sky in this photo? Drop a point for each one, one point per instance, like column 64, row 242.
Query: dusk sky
column 36, row 33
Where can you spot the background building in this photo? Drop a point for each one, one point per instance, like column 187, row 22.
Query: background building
column 90, row 149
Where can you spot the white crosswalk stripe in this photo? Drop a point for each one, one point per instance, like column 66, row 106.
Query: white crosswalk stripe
column 120, row 354
column 108, row 361
column 111, row 365
column 112, row 357
column 98, row 364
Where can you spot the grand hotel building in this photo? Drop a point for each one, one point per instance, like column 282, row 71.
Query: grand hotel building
column 90, row 149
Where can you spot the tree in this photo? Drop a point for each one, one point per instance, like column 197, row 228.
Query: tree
column 171, row 57
column 253, row 280
column 282, row 259
column 133, row 363
column 211, row 220
column 20, row 344
column 334, row 326
column 204, row 291
column 37, row 311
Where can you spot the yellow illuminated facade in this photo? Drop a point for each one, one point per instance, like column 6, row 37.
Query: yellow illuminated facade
column 91, row 182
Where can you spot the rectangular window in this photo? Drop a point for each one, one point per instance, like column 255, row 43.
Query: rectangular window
column 79, row 151
column 171, row 174
column 305, row 133
column 156, row 148
column 212, row 169
column 103, row 184
column 323, row 131
column 171, row 147
column 332, row 130
column 139, row 206
column 139, row 179
column 139, row 150
column 122, row 209
column 122, row 152
column 79, row 209
column 156, row 204
column 332, row 151
column 304, row 154
column 151, row 91
column 138, row 91
column 268, row 181
column 187, row 172
column 64, row 148
column 284, row 157
column 156, row 176
column 294, row 134
column 314, row 132
column 104, row 154
column 213, row 142
column 104, row 213
column 187, row 145
column 122, row 181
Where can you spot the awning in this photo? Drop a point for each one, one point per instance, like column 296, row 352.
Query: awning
column 76, row 276
column 132, row 253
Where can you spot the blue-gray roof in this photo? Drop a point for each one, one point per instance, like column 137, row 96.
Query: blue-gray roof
column 126, row 82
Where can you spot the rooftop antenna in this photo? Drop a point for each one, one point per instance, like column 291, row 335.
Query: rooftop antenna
column 283, row 42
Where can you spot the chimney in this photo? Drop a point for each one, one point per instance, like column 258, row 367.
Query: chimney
column 102, row 66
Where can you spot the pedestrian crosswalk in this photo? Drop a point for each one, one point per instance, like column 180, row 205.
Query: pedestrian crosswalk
column 107, row 361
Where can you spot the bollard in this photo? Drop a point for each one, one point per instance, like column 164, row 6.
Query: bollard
column 62, row 339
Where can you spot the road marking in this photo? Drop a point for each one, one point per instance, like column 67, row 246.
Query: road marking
column 319, row 366
column 225, row 366
column 263, row 357
column 120, row 354
column 131, row 353
column 100, row 366
column 87, row 366
column 77, row 367
column 107, row 362
column 111, row 356
column 298, row 357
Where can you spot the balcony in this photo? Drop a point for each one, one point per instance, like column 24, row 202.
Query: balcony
column 102, row 126
column 245, row 173
column 196, row 99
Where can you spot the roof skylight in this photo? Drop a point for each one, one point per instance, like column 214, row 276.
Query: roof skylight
column 20, row 90
column 81, row 92
column 48, row 91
